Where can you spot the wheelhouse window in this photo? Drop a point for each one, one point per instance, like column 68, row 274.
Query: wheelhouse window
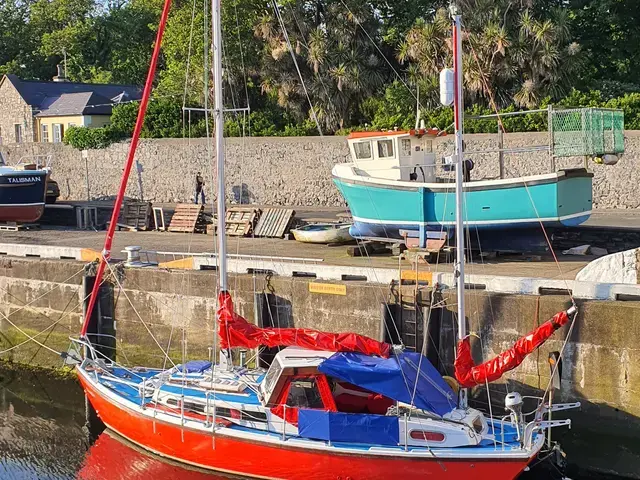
column 44, row 133
column 385, row 148
column 405, row 147
column 304, row 394
column 18, row 132
column 362, row 150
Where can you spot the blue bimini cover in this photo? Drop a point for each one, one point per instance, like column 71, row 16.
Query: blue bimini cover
column 348, row 427
column 395, row 378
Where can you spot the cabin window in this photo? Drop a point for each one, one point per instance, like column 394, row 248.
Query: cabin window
column 273, row 374
column 18, row 132
column 304, row 394
column 57, row 133
column 385, row 148
column 405, row 147
column 44, row 133
column 362, row 150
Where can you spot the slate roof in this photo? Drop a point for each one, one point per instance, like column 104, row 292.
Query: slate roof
column 72, row 98
column 83, row 103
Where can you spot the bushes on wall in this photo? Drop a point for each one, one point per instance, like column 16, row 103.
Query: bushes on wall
column 84, row 138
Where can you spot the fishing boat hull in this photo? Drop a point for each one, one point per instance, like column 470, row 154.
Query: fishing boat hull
column 323, row 233
column 22, row 194
column 382, row 208
column 241, row 453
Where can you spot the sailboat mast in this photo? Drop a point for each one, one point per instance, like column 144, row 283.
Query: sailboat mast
column 458, row 112
column 216, row 44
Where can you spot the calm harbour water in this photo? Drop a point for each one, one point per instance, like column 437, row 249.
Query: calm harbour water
column 43, row 436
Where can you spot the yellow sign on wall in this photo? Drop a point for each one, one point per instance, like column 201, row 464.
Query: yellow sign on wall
column 329, row 288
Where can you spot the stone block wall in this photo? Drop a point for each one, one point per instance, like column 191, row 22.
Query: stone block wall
column 295, row 170
column 14, row 111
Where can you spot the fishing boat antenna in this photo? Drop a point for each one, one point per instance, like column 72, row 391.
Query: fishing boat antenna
column 458, row 113
column 417, row 107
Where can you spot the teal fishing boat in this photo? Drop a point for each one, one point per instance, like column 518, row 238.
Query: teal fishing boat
column 396, row 187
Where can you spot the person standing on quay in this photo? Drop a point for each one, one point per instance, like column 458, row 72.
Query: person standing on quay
column 199, row 189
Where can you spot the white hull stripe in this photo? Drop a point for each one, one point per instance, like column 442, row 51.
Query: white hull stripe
column 474, row 222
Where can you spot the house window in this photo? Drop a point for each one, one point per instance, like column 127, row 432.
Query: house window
column 71, row 125
column 57, row 132
column 44, row 133
column 18, row 131
column 385, row 148
column 362, row 150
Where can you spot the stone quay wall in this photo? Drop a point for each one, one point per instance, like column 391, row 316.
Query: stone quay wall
column 294, row 170
column 601, row 361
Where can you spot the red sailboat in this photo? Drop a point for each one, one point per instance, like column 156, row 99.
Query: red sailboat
column 330, row 405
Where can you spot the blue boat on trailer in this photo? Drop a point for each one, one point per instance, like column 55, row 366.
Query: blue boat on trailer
column 393, row 190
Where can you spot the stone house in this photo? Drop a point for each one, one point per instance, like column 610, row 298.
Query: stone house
column 38, row 111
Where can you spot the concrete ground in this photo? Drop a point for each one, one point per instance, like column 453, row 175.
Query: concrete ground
column 517, row 266
column 533, row 266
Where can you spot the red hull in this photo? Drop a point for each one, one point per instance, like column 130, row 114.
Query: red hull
column 24, row 214
column 248, row 458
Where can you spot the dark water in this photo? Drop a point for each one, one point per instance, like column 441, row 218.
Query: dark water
column 43, row 436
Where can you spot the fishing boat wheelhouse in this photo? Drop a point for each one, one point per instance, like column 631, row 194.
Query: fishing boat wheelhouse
column 394, row 184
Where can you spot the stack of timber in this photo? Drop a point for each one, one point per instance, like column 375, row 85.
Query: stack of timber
column 274, row 222
column 188, row 218
column 136, row 215
column 239, row 221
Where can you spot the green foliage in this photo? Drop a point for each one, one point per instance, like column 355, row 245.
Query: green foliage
column 164, row 119
column 269, row 122
column 84, row 138
column 516, row 55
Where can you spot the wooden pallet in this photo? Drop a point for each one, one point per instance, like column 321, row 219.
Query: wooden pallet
column 274, row 222
column 188, row 218
column 239, row 221
column 15, row 227
column 137, row 215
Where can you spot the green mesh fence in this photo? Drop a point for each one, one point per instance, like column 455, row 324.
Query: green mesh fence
column 587, row 131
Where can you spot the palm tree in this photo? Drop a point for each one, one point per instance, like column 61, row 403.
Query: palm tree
column 335, row 54
column 512, row 53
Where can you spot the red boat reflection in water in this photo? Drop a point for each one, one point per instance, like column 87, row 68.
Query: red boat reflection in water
column 111, row 458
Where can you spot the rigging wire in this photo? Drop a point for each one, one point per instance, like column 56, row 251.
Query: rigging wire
column 135, row 310
column 555, row 258
column 295, row 62
column 31, row 338
column 384, row 57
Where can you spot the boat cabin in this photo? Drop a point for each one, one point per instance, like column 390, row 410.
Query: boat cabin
column 325, row 407
column 294, row 381
column 396, row 155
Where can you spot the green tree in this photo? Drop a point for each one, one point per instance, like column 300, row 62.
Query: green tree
column 510, row 52
column 335, row 52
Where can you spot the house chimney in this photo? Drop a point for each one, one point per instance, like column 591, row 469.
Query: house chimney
column 60, row 77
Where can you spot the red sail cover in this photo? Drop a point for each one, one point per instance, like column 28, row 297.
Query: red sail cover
column 235, row 331
column 468, row 374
